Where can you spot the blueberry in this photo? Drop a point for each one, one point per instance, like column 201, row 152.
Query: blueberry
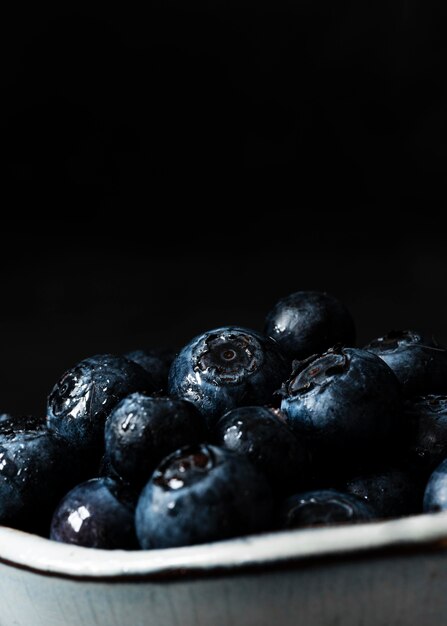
column 435, row 496
column 427, row 431
column 418, row 362
column 392, row 492
column 142, row 430
column 323, row 508
column 98, row 513
column 156, row 362
column 226, row 368
column 80, row 402
column 346, row 401
column 199, row 494
column 309, row 322
column 36, row 468
column 261, row 434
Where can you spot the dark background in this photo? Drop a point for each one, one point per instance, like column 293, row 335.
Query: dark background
column 301, row 145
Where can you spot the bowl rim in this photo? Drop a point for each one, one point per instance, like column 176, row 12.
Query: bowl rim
column 40, row 555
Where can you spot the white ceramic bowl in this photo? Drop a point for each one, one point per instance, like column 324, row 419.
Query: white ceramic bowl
column 390, row 573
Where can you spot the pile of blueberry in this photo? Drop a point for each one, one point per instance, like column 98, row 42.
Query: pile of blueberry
column 238, row 433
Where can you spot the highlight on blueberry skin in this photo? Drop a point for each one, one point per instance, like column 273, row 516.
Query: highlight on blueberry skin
column 426, row 420
column 98, row 513
column 200, row 494
column 309, row 322
column 36, row 468
column 226, row 368
column 393, row 492
column 435, row 496
column 346, row 400
column 418, row 362
column 323, row 507
column 261, row 434
column 141, row 430
column 81, row 400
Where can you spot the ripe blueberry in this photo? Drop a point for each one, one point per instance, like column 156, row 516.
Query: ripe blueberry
column 392, row 492
column 309, row 322
column 418, row 362
column 344, row 401
column 323, row 508
column 427, row 431
column 199, row 494
column 435, row 496
column 226, row 368
column 142, row 430
column 36, row 467
column 262, row 436
column 98, row 513
column 80, row 402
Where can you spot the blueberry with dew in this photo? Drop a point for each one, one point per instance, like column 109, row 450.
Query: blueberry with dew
column 226, row 368
column 346, row 402
column 426, row 423
column 98, row 513
column 324, row 507
column 309, row 322
column 141, row 430
column 393, row 492
column 200, row 494
column 36, row 467
column 261, row 434
column 435, row 496
column 418, row 362
column 80, row 401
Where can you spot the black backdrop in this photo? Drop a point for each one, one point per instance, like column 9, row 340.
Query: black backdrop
column 302, row 144
column 340, row 102
column 70, row 297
